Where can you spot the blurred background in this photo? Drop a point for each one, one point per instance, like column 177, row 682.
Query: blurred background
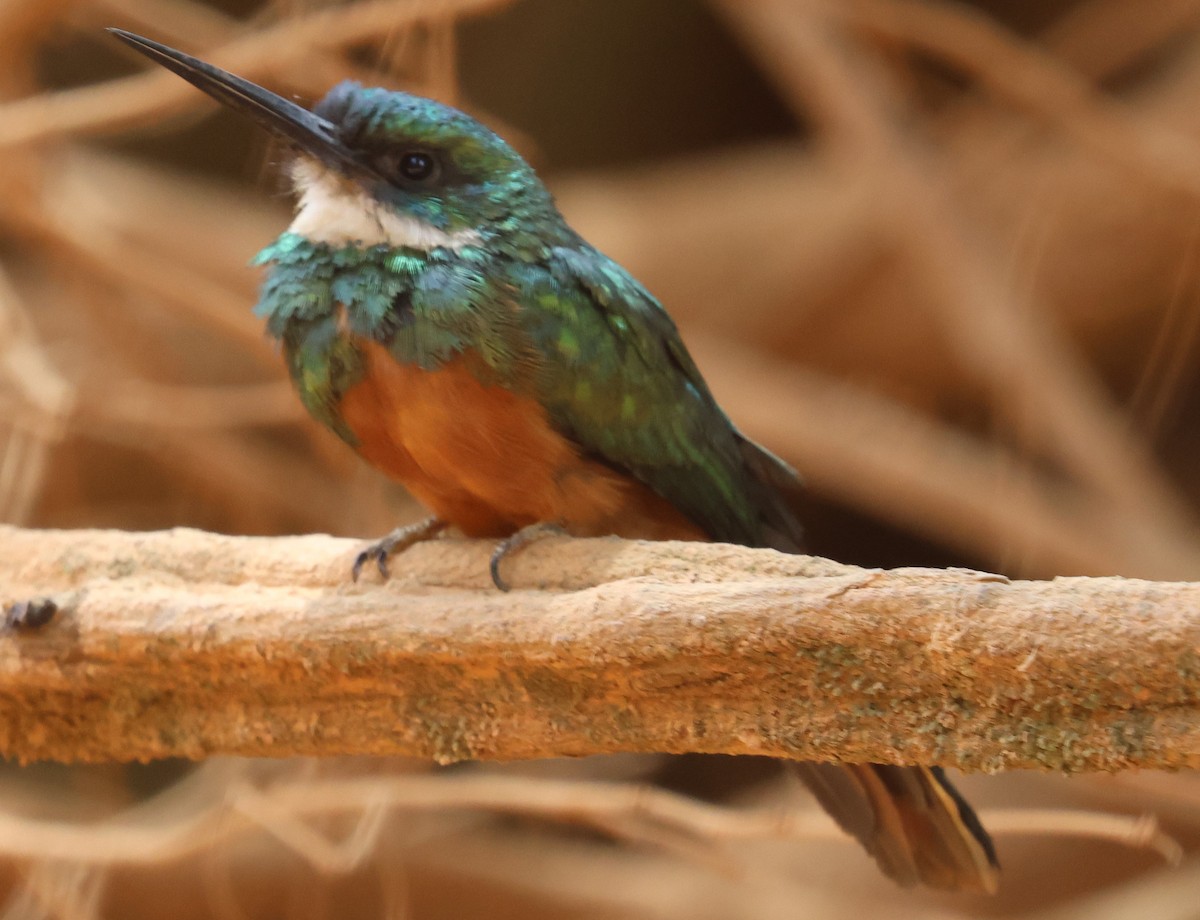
column 942, row 256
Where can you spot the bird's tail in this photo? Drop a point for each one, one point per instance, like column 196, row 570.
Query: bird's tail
column 911, row 820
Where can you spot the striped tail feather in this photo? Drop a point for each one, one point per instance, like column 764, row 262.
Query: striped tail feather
column 911, row 820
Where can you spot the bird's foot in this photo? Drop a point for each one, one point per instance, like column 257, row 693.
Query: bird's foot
column 518, row 542
column 397, row 541
column 31, row 614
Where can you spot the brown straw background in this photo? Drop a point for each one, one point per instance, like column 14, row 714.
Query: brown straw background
column 942, row 256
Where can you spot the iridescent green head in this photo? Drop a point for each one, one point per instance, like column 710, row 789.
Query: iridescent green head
column 374, row 166
column 430, row 160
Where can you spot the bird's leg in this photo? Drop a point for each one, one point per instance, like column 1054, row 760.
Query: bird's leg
column 397, row 541
column 518, row 542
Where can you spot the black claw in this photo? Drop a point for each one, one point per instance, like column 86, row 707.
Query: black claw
column 517, row 542
column 494, row 568
column 375, row 552
column 32, row 614
column 397, row 541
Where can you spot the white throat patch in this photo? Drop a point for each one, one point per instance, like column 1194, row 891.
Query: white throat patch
column 332, row 211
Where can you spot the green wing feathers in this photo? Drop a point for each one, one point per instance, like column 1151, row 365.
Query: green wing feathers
column 619, row 382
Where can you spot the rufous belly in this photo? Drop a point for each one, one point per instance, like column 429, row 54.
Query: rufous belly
column 488, row 461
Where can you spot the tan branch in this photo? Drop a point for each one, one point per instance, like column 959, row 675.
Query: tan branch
column 187, row 644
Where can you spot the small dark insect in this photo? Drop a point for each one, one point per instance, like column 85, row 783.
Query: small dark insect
column 31, row 614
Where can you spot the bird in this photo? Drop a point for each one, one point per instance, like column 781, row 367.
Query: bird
column 440, row 316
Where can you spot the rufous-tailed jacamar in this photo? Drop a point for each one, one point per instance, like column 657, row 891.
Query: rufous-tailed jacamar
column 439, row 315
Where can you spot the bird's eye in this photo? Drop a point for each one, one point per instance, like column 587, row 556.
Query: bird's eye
column 416, row 166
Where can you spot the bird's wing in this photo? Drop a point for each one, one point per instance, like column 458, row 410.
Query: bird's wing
column 618, row 381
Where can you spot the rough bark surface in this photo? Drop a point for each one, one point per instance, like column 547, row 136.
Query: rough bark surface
column 188, row 644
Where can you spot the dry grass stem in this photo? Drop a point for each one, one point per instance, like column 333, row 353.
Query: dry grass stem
column 218, row 806
column 1023, row 359
column 130, row 101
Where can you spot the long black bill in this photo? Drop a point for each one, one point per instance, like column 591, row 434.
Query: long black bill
column 295, row 123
